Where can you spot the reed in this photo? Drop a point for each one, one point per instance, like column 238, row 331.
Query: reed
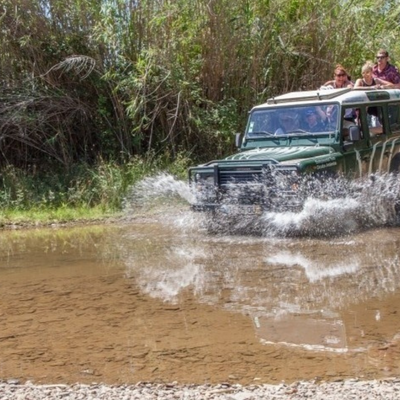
column 116, row 80
column 70, row 195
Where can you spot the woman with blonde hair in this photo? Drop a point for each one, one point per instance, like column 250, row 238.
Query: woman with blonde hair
column 341, row 79
column 368, row 80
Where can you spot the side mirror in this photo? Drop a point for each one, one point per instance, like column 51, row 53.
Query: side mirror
column 238, row 140
column 354, row 133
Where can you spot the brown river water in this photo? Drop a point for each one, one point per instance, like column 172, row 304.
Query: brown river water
column 158, row 298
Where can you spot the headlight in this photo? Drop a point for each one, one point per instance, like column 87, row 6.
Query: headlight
column 204, row 187
column 287, row 180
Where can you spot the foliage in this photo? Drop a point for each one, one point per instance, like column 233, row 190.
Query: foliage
column 102, row 186
column 116, row 79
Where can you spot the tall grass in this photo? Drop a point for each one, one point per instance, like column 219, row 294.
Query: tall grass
column 57, row 195
column 84, row 80
column 103, row 93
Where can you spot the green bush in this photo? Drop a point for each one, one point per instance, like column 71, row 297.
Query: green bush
column 103, row 185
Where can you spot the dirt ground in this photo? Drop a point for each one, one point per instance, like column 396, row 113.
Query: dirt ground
column 102, row 329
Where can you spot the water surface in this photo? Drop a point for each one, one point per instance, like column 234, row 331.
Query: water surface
column 160, row 299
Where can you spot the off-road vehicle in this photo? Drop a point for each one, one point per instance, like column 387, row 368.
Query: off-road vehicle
column 299, row 137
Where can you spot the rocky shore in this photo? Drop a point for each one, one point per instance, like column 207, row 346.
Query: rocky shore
column 388, row 389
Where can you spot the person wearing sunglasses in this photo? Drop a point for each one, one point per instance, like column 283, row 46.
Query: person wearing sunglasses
column 384, row 70
column 368, row 80
column 340, row 80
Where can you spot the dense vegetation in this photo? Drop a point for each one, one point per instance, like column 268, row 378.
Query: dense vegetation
column 89, row 86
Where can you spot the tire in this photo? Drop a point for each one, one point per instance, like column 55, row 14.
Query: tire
column 395, row 164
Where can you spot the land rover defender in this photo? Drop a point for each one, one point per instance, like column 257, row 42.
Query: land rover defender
column 320, row 134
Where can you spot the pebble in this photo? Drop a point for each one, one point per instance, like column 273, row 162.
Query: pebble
column 387, row 389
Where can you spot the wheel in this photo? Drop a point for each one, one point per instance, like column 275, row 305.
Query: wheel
column 395, row 164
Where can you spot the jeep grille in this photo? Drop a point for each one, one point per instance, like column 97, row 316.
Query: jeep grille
column 237, row 176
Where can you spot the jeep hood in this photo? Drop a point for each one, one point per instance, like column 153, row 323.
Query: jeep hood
column 282, row 154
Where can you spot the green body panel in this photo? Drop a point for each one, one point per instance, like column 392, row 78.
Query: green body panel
column 281, row 154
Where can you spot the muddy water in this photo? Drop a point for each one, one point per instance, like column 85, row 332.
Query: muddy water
column 161, row 300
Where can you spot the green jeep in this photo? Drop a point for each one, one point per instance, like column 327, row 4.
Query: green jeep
column 302, row 137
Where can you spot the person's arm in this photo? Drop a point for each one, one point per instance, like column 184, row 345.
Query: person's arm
column 329, row 83
column 321, row 114
column 359, row 83
column 381, row 83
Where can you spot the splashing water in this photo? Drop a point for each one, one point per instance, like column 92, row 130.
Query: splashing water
column 159, row 189
column 330, row 208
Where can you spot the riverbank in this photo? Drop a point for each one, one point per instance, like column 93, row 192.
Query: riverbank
column 388, row 389
column 29, row 224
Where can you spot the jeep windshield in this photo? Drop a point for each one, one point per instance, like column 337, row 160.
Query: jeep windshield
column 293, row 121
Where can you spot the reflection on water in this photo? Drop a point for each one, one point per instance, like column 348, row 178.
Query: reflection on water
column 296, row 291
column 337, row 295
column 316, row 270
column 63, row 250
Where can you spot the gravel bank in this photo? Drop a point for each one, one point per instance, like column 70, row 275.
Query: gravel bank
column 351, row 389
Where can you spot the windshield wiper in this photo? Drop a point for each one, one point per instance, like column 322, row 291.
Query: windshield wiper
column 310, row 136
column 302, row 131
column 265, row 133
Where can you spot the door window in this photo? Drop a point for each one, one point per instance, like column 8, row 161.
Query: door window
column 394, row 117
column 375, row 120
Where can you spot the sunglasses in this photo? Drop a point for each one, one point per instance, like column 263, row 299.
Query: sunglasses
column 380, row 57
column 340, row 74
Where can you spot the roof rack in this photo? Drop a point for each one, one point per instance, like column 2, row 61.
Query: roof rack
column 324, row 94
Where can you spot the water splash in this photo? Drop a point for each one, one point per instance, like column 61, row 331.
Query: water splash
column 317, row 218
column 160, row 189
column 330, row 208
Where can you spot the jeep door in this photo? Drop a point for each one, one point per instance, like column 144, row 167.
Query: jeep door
column 377, row 131
column 392, row 144
column 356, row 153
column 384, row 136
